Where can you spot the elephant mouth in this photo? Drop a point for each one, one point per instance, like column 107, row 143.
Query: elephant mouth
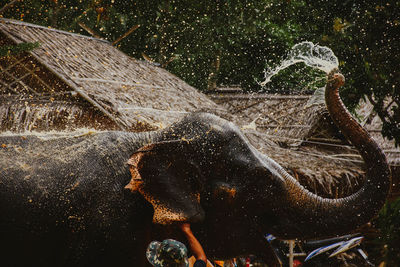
column 164, row 214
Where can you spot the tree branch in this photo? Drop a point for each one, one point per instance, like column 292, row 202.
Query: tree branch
column 134, row 28
column 7, row 6
column 89, row 30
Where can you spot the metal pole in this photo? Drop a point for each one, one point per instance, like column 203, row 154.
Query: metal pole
column 291, row 256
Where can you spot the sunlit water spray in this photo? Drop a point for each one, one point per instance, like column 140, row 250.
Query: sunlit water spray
column 315, row 56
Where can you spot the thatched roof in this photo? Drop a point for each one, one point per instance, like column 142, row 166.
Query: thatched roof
column 132, row 94
column 286, row 116
column 371, row 121
column 77, row 81
column 295, row 120
column 310, row 146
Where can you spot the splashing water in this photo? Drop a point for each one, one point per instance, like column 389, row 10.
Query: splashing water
column 319, row 57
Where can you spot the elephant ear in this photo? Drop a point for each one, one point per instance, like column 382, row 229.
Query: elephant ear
column 168, row 176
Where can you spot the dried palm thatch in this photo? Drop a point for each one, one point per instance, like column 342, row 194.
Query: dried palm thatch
column 127, row 93
column 278, row 116
column 330, row 170
column 310, row 146
column 371, row 121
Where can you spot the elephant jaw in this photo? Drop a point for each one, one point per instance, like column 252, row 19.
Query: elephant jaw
column 164, row 214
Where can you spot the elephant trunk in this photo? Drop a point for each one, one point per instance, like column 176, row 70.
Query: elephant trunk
column 308, row 215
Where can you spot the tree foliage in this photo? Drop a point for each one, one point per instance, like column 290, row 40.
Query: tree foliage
column 364, row 36
column 8, row 50
column 386, row 245
column 209, row 43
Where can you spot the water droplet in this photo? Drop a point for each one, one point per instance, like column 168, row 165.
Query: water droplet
column 320, row 57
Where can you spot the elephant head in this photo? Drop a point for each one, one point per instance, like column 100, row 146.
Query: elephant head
column 169, row 179
column 204, row 162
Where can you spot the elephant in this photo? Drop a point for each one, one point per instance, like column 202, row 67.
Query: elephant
column 99, row 198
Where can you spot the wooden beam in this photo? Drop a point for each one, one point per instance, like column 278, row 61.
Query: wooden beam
column 16, row 80
column 8, row 86
column 12, row 65
column 19, row 80
column 37, row 77
column 39, row 97
column 134, row 28
column 248, row 106
column 283, row 126
column 89, row 30
column 256, row 96
column 326, row 140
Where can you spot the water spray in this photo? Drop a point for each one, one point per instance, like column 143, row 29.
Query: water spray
column 315, row 56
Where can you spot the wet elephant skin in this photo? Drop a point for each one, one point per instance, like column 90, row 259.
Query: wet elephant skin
column 63, row 200
column 63, row 203
column 96, row 199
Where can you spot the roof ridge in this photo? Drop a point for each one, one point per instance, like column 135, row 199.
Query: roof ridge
column 31, row 25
